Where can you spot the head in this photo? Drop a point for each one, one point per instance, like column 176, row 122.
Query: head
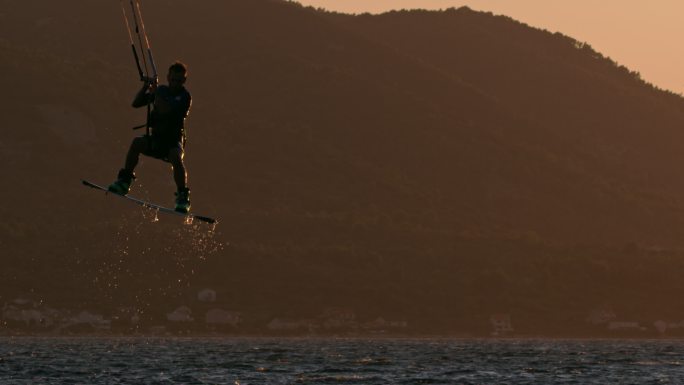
column 178, row 73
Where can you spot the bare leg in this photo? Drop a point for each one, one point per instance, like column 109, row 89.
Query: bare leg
column 179, row 173
column 137, row 147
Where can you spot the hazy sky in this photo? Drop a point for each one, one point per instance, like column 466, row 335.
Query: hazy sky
column 644, row 35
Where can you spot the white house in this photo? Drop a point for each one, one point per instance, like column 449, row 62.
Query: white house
column 600, row 316
column 223, row 317
column 28, row 316
column 30, row 313
column 128, row 314
column 660, row 326
column 376, row 324
column 338, row 317
column 501, row 323
column 96, row 321
column 206, row 295
column 624, row 326
column 288, row 324
column 181, row 314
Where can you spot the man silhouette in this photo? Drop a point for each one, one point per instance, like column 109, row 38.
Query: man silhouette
column 166, row 141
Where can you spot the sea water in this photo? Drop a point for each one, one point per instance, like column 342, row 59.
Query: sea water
column 87, row 360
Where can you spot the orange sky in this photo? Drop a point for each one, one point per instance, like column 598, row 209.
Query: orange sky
column 644, row 35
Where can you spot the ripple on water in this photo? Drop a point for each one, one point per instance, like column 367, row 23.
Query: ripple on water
column 319, row 361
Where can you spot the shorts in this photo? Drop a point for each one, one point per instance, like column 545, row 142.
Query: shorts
column 160, row 149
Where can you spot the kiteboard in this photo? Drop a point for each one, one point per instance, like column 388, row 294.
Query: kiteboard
column 152, row 206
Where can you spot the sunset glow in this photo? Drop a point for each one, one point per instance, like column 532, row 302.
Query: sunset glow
column 641, row 35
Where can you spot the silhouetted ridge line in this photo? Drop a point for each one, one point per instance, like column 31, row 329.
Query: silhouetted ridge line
column 438, row 167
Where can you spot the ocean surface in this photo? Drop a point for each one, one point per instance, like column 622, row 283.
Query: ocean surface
column 86, row 360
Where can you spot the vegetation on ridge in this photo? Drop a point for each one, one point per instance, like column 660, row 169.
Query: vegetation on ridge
column 433, row 166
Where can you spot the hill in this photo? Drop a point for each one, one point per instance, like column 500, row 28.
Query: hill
column 432, row 166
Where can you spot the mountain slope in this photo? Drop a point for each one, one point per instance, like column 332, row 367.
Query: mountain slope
column 369, row 161
column 595, row 116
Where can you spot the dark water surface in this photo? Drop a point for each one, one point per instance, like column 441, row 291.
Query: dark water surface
column 29, row 360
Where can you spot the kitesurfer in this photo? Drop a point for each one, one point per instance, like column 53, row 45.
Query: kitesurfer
column 166, row 137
